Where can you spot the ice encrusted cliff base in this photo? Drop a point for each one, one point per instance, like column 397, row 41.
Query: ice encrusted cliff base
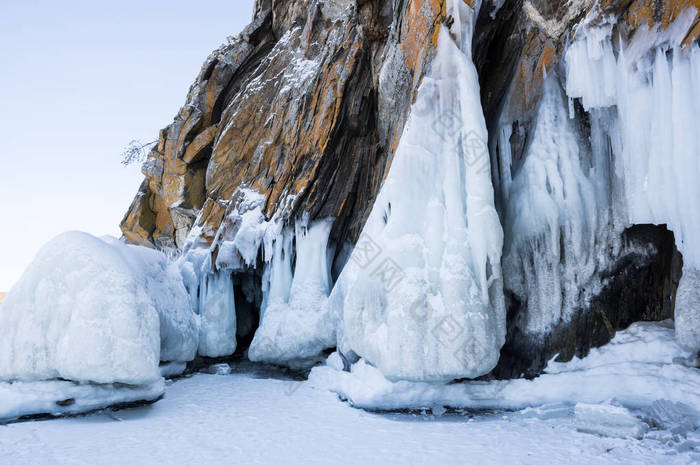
column 359, row 121
column 437, row 191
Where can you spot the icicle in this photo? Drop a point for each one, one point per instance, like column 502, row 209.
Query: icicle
column 296, row 323
column 657, row 102
column 572, row 113
column 277, row 278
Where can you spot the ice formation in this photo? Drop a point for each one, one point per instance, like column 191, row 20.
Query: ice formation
column 296, row 322
column 608, row 420
column 217, row 310
column 240, row 250
column 211, row 285
column 421, row 297
column 650, row 94
column 295, row 319
column 162, row 283
column 172, row 369
column 641, row 366
column 687, row 314
column 557, row 215
column 22, row 398
column 93, row 310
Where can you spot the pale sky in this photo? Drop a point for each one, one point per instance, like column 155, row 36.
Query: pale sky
column 78, row 81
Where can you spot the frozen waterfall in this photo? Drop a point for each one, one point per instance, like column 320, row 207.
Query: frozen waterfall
column 421, row 297
column 653, row 88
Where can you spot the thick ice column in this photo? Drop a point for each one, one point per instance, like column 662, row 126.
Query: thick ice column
column 312, row 283
column 277, row 277
column 217, row 306
column 421, row 297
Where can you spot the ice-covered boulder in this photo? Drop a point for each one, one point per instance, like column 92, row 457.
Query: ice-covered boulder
column 94, row 310
column 163, row 284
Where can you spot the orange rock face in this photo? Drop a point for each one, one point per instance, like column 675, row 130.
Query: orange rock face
column 531, row 41
column 308, row 103
column 662, row 15
column 2, row 296
column 303, row 107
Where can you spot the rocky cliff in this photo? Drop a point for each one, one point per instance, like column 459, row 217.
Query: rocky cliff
column 303, row 130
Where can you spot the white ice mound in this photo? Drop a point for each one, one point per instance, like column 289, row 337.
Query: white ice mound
column 639, row 367
column 296, row 322
column 93, row 310
column 421, row 297
column 163, row 284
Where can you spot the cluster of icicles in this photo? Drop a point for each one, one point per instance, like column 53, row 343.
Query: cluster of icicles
column 421, row 296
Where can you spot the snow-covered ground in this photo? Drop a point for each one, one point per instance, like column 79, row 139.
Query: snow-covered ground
column 243, row 418
column 632, row 401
